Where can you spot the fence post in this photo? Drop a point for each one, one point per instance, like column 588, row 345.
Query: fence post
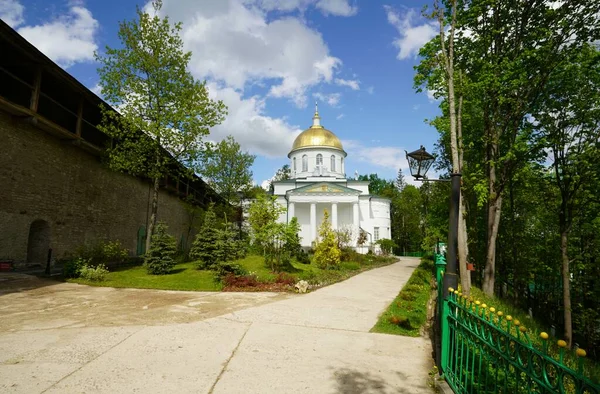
column 440, row 267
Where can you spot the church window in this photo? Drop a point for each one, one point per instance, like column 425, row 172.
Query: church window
column 294, row 164
column 319, row 159
column 304, row 163
column 332, row 163
column 376, row 234
column 342, row 164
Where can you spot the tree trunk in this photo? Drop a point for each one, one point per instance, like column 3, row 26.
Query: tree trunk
column 489, row 274
column 463, row 250
column 153, row 212
column 566, row 277
column 463, row 239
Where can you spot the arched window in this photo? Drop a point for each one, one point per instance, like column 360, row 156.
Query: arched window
column 304, row 163
column 332, row 163
column 342, row 165
column 319, row 159
column 294, row 164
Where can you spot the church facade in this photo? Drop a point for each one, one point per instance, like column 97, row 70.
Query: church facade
column 318, row 183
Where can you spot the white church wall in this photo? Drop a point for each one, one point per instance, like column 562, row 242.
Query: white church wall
column 283, row 187
column 359, row 185
column 282, row 202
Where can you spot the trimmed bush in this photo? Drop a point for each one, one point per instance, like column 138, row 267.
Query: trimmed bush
column 159, row 259
column 72, row 267
column 93, row 274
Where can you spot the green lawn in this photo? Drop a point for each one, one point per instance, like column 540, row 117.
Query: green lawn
column 185, row 276
column 408, row 312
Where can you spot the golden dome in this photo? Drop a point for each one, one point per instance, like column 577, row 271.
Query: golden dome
column 317, row 136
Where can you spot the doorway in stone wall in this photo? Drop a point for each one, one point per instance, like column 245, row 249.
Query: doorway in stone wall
column 38, row 242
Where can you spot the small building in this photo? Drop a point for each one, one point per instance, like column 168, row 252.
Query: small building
column 318, row 183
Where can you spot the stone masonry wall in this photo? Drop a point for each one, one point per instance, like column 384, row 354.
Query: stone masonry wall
column 82, row 201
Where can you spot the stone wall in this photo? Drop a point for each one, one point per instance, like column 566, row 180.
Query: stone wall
column 54, row 194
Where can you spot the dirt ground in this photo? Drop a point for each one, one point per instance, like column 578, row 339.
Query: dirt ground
column 32, row 303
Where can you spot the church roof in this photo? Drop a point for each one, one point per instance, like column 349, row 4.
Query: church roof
column 317, row 136
column 324, row 187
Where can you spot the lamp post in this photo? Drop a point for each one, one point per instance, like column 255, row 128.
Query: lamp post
column 419, row 162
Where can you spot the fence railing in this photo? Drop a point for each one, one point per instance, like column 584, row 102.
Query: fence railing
column 483, row 351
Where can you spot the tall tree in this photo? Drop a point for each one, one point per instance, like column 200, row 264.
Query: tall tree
column 438, row 71
column 163, row 111
column 400, row 181
column 568, row 124
column 227, row 168
column 511, row 50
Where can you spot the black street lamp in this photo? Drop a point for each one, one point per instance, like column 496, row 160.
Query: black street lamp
column 419, row 162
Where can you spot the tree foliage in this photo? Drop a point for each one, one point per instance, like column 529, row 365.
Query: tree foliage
column 163, row 112
column 227, row 169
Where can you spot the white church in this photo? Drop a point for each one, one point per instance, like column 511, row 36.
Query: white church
column 318, row 183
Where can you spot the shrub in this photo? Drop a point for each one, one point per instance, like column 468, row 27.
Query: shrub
column 302, row 257
column 226, row 268
column 72, row 267
column 327, row 254
column 387, row 245
column 159, row 259
column 204, row 247
column 285, row 279
column 232, row 280
column 102, row 252
column 94, row 274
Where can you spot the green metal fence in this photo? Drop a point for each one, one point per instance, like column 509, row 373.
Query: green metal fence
column 483, row 351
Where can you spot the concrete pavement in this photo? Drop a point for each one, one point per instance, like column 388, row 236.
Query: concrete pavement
column 313, row 343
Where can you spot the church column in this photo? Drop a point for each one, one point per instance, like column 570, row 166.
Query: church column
column 313, row 221
column 356, row 219
column 291, row 211
column 334, row 219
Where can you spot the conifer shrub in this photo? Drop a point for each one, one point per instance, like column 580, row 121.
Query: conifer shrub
column 327, row 254
column 159, row 260
column 204, row 247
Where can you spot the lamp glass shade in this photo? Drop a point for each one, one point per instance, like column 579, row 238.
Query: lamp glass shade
column 419, row 162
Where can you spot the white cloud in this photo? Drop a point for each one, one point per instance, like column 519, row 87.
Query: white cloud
column 431, row 96
column 351, row 83
column 327, row 7
column 414, row 31
column 382, row 156
column 237, row 43
column 11, row 12
column 336, row 7
column 97, row 90
column 340, row 116
column 247, row 123
column 68, row 39
column 332, row 99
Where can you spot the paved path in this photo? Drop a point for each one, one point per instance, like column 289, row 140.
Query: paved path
column 312, row 343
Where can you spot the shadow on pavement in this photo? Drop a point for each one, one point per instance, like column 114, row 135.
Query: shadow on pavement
column 16, row 282
column 356, row 382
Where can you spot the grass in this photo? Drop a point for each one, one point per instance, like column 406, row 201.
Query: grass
column 534, row 329
column 408, row 312
column 185, row 276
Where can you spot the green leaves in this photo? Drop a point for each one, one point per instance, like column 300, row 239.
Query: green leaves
column 163, row 109
column 226, row 168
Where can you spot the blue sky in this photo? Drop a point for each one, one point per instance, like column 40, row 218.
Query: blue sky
column 269, row 61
